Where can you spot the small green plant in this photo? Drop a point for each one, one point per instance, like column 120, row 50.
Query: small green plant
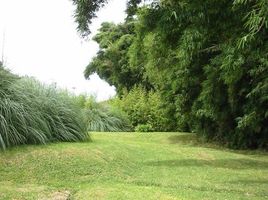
column 144, row 128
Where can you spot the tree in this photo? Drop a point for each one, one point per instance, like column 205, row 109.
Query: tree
column 208, row 61
column 111, row 62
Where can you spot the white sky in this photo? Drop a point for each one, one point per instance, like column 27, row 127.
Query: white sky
column 41, row 41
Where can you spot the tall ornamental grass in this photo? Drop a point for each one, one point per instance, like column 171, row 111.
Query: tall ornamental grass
column 103, row 117
column 34, row 113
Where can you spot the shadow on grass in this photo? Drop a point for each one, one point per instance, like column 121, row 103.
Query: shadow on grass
column 250, row 182
column 242, row 164
column 192, row 187
column 193, row 140
column 187, row 138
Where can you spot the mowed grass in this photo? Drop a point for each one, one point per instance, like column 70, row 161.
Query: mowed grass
column 133, row 166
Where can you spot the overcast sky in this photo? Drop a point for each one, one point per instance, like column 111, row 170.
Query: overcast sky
column 41, row 41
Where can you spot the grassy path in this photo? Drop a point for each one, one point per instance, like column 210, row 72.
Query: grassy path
column 133, row 166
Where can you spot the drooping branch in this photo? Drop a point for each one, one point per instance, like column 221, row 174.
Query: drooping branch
column 84, row 13
column 86, row 10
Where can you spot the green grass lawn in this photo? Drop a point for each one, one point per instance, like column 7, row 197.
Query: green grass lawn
column 133, row 166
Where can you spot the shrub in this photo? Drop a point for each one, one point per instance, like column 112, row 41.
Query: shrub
column 143, row 107
column 144, row 128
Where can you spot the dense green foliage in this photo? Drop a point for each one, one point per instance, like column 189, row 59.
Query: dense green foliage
column 33, row 113
column 143, row 128
column 208, row 61
column 102, row 116
column 111, row 62
column 193, row 53
column 143, row 108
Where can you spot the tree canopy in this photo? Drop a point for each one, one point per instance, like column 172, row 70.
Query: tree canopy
column 111, row 62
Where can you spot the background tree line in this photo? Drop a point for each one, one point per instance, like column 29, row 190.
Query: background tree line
column 207, row 60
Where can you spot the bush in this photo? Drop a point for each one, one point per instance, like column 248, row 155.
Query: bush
column 33, row 113
column 143, row 107
column 144, row 128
